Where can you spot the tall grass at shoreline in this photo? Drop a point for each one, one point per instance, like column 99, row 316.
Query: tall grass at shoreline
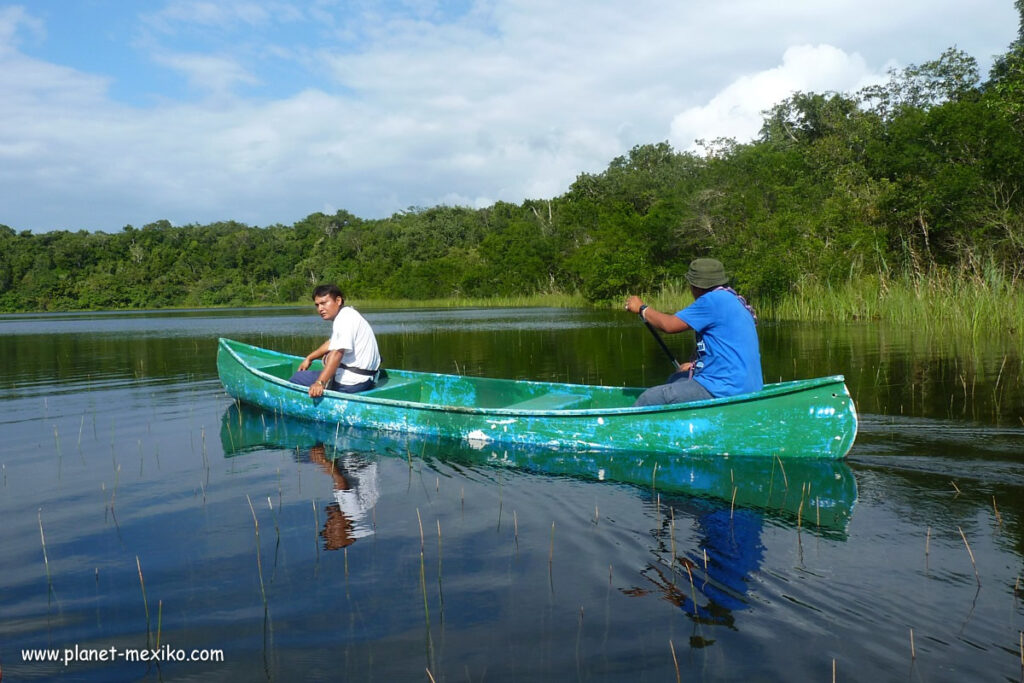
column 933, row 304
column 936, row 304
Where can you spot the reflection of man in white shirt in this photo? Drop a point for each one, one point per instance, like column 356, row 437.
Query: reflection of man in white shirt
column 355, row 492
column 351, row 358
column 358, row 500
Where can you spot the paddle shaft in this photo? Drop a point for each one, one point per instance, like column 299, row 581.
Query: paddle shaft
column 661, row 343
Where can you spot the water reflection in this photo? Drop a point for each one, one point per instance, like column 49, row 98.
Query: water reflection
column 727, row 501
column 819, row 494
column 711, row 584
column 354, row 474
column 355, row 494
column 710, row 580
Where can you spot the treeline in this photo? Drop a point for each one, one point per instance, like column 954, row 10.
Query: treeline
column 921, row 176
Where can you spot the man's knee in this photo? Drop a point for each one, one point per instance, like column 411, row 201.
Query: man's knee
column 655, row 396
column 305, row 377
column 681, row 391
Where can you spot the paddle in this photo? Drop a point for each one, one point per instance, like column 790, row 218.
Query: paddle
column 661, row 343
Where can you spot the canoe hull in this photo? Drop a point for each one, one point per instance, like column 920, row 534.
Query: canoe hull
column 803, row 419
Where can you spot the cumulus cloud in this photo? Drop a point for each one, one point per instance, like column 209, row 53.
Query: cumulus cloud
column 737, row 111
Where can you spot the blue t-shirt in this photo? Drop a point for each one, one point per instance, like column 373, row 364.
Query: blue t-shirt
column 728, row 359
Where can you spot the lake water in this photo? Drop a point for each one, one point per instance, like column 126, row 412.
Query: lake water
column 142, row 509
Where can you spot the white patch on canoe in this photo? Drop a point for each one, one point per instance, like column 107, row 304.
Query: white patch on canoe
column 600, row 421
column 600, row 473
column 478, row 439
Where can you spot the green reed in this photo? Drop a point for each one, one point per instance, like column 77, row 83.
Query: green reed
column 937, row 303
column 46, row 559
column 675, row 661
column 423, row 572
column 259, row 560
column 970, row 552
column 145, row 602
column 440, row 593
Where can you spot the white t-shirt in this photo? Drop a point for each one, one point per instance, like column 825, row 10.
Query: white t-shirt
column 354, row 335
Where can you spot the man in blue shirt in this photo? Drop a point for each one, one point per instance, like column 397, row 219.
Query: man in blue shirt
column 728, row 361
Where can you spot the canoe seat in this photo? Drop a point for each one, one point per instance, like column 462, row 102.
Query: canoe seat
column 281, row 370
column 551, row 401
column 397, row 388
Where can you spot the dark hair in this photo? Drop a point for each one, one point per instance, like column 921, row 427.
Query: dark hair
column 330, row 290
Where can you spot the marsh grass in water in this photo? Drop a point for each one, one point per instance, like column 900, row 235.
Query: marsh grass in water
column 936, row 304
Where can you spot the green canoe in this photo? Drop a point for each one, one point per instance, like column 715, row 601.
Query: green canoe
column 812, row 418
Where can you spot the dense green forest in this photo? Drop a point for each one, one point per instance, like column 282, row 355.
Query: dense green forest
column 921, row 177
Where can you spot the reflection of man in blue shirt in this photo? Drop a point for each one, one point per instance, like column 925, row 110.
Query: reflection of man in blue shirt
column 732, row 539
column 728, row 361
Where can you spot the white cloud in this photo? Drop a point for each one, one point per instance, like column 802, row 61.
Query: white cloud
column 220, row 13
column 12, row 19
column 209, row 73
column 737, row 111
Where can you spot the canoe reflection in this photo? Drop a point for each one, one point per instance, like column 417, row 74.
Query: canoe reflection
column 817, row 495
column 727, row 502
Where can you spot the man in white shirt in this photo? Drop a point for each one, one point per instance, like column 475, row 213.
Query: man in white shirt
column 351, row 358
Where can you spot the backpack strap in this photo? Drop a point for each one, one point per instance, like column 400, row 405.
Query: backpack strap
column 359, row 371
column 750, row 309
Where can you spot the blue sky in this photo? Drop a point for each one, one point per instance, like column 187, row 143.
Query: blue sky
column 117, row 112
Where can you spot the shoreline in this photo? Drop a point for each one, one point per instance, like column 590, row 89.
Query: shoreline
column 938, row 304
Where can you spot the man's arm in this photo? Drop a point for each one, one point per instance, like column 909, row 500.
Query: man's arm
column 666, row 322
column 318, row 353
column 331, row 363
